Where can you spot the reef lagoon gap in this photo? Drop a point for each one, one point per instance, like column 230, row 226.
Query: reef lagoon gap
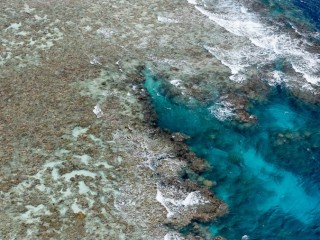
column 267, row 173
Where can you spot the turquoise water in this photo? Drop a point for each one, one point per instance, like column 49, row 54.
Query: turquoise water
column 268, row 173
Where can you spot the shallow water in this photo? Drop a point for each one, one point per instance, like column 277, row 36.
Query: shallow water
column 267, row 173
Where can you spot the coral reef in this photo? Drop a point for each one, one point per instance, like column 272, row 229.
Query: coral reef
column 80, row 156
column 80, row 153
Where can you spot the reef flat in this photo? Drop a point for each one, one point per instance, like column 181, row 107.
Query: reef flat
column 79, row 155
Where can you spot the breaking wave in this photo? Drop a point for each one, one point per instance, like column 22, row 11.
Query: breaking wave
column 259, row 43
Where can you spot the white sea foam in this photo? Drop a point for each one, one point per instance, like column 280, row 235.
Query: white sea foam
column 238, row 20
column 277, row 78
column 176, row 82
column 97, row 111
column 192, row 1
column 173, row 236
column 175, row 204
column 94, row 60
column 193, row 198
column 239, row 57
column 222, row 110
column 245, row 237
column 161, row 199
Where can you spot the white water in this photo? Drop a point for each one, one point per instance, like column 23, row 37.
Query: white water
column 267, row 42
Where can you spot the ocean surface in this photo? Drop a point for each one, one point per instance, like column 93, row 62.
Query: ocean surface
column 267, row 173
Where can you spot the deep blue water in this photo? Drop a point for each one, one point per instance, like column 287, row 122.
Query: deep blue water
column 311, row 10
column 268, row 174
column 299, row 10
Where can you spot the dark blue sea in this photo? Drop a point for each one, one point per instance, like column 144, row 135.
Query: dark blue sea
column 268, row 173
column 310, row 10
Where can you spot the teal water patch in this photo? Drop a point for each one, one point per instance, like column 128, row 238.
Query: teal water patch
column 267, row 174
